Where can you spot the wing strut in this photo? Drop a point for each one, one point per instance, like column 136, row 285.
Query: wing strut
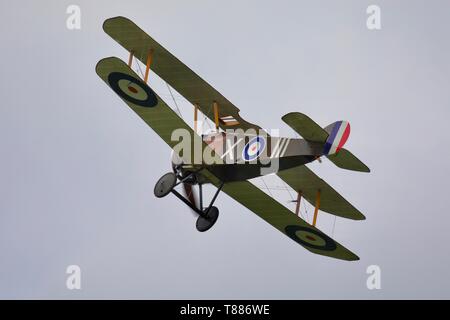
column 297, row 207
column 195, row 117
column 130, row 58
column 316, row 209
column 147, row 66
column 216, row 115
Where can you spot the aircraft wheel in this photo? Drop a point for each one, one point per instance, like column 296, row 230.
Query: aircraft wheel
column 204, row 223
column 165, row 184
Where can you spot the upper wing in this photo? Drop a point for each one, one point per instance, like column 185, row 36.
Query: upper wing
column 302, row 179
column 175, row 73
column 148, row 105
column 285, row 220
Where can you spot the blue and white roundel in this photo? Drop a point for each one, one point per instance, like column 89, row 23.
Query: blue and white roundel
column 254, row 148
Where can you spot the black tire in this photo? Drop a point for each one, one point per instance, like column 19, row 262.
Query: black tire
column 165, row 184
column 204, row 223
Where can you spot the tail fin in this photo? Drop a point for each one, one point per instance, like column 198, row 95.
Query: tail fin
column 338, row 133
column 333, row 136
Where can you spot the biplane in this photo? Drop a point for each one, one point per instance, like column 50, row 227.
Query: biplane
column 237, row 149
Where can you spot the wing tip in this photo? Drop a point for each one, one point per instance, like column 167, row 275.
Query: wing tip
column 102, row 61
column 344, row 254
column 108, row 21
column 354, row 257
column 294, row 113
column 363, row 168
column 354, row 215
column 348, row 255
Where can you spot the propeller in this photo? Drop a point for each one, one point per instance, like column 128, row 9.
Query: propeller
column 188, row 190
column 191, row 196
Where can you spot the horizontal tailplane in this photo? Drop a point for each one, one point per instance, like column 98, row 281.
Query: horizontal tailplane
column 346, row 160
column 333, row 136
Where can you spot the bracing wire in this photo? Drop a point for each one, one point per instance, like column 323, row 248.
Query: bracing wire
column 306, row 211
column 290, row 194
column 334, row 225
column 278, row 188
column 174, row 101
column 270, row 192
column 205, row 119
column 292, row 197
column 139, row 70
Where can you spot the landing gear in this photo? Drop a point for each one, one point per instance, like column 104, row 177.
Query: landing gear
column 207, row 217
column 165, row 185
column 207, row 220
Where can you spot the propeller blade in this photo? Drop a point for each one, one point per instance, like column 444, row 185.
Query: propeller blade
column 187, row 188
column 191, row 196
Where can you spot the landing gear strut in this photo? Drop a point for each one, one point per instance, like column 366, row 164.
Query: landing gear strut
column 207, row 217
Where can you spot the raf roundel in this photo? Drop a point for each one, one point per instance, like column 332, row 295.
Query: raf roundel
column 310, row 238
column 132, row 89
column 254, row 148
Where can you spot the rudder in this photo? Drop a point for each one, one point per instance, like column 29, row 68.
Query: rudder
column 339, row 132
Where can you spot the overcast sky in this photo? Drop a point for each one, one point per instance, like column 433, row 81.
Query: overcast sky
column 78, row 167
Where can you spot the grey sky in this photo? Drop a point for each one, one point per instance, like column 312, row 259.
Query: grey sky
column 77, row 166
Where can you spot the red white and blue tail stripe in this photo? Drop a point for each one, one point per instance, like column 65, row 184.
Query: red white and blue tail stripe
column 337, row 138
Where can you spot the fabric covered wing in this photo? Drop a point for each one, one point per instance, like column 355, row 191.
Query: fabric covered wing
column 175, row 73
column 147, row 104
column 304, row 180
column 286, row 221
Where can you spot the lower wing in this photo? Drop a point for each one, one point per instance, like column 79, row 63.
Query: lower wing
column 284, row 220
column 303, row 180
